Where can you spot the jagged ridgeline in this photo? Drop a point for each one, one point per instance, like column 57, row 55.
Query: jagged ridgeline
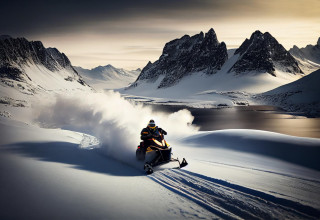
column 263, row 53
column 180, row 57
column 16, row 53
column 310, row 52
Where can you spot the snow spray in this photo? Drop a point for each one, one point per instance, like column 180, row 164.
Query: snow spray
column 116, row 122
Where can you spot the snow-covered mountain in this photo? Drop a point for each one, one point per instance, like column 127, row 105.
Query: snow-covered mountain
column 108, row 77
column 308, row 57
column 29, row 67
column 302, row 95
column 258, row 65
column 263, row 53
column 207, row 58
column 181, row 57
column 29, row 71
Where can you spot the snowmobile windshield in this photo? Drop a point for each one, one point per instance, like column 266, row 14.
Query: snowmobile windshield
column 156, row 134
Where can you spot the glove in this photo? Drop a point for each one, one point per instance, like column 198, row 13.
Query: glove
column 145, row 137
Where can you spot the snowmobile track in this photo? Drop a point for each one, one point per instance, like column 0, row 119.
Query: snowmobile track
column 231, row 201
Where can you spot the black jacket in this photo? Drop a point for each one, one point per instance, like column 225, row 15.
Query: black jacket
column 147, row 133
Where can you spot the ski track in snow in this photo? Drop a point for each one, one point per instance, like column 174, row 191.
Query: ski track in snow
column 261, row 170
column 231, row 201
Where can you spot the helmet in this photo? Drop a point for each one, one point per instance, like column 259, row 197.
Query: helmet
column 152, row 125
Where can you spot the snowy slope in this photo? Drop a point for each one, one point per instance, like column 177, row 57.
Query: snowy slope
column 302, row 95
column 66, row 174
column 108, row 77
column 46, row 175
column 223, row 179
column 200, row 89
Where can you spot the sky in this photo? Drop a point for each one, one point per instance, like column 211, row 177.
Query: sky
column 127, row 34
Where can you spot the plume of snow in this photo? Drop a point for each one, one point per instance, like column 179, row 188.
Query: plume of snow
column 116, row 122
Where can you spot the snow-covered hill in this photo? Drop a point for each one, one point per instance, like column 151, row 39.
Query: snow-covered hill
column 108, row 77
column 308, row 57
column 302, row 95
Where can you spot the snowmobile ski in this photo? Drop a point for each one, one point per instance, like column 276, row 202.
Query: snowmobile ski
column 183, row 163
column 149, row 168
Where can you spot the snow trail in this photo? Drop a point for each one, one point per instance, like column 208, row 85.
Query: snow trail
column 231, row 201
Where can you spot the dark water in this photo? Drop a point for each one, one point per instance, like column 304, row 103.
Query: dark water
column 266, row 118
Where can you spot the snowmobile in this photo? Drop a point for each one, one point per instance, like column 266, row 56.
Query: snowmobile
column 157, row 153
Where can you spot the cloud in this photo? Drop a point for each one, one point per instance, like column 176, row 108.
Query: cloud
column 34, row 17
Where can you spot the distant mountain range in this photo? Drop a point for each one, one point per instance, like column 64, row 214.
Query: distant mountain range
column 191, row 69
column 108, row 77
column 307, row 57
column 203, row 54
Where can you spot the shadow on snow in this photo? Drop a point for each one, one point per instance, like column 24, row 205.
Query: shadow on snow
column 68, row 153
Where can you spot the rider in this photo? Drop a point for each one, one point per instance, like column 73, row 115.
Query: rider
column 153, row 131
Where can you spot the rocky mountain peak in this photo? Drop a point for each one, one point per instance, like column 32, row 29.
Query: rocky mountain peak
column 109, row 66
column 263, row 53
column 211, row 34
column 181, row 57
column 210, row 39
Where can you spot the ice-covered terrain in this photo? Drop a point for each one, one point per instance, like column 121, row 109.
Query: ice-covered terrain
column 232, row 174
column 108, row 77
